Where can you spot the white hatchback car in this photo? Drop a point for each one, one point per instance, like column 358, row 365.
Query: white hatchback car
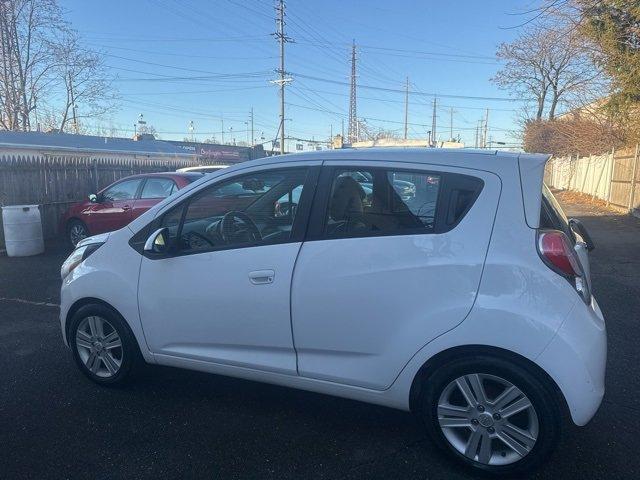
column 444, row 282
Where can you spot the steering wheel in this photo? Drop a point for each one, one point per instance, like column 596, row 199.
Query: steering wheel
column 229, row 228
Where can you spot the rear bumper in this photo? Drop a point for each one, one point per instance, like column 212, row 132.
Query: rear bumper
column 576, row 359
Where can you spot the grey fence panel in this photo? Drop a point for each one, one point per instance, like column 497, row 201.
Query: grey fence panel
column 621, row 181
column 55, row 181
column 613, row 177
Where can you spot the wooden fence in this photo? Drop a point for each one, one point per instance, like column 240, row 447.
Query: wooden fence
column 55, row 181
column 613, row 177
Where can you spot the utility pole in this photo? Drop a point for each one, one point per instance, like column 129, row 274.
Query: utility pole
column 353, row 117
column 477, row 130
column 253, row 141
column 282, row 81
column 433, row 123
column 451, row 124
column 484, row 136
column 406, row 108
column 222, row 126
column 73, row 105
column 342, row 130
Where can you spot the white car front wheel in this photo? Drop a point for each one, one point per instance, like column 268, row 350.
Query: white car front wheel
column 103, row 346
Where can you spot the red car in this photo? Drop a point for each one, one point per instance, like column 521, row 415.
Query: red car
column 118, row 204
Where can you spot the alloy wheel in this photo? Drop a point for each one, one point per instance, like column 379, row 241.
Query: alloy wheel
column 99, row 346
column 77, row 233
column 487, row 419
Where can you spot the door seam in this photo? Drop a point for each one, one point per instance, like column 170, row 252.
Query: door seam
column 295, row 264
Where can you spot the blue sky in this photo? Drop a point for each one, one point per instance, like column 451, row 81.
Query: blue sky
column 210, row 62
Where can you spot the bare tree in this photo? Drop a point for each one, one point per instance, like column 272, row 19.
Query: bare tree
column 572, row 134
column 44, row 70
column 87, row 89
column 27, row 28
column 547, row 64
column 524, row 72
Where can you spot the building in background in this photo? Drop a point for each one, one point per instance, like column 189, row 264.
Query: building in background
column 394, row 142
column 55, row 143
column 212, row 153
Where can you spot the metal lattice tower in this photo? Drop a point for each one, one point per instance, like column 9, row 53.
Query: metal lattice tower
column 353, row 117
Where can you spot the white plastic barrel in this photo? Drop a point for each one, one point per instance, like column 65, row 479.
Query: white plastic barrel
column 22, row 230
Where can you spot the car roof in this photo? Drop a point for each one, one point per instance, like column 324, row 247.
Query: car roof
column 481, row 159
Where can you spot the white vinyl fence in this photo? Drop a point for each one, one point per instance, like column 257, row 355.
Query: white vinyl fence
column 612, row 177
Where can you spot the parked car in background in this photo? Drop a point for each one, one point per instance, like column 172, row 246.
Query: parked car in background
column 116, row 205
column 467, row 302
column 203, row 168
column 404, row 188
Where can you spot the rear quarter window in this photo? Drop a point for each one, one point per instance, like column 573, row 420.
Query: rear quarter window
column 459, row 194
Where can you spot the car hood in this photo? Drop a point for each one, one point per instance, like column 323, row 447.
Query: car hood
column 100, row 238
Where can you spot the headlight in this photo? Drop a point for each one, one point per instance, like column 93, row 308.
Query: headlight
column 77, row 257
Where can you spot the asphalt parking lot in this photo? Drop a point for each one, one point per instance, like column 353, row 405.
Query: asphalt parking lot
column 54, row 423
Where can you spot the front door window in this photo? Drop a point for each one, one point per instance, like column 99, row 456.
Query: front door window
column 125, row 190
column 250, row 210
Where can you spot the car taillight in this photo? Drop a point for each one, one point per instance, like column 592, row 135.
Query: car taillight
column 557, row 252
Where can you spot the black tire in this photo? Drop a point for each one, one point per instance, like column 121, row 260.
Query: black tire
column 538, row 390
column 72, row 225
column 129, row 353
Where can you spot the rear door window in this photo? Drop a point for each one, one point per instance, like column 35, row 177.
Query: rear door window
column 158, row 188
column 381, row 201
column 370, row 201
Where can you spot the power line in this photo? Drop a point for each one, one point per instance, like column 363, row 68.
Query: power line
column 189, row 92
column 384, row 120
column 401, row 101
column 181, row 55
column 396, row 90
column 236, row 77
column 391, row 51
column 155, row 64
column 240, row 38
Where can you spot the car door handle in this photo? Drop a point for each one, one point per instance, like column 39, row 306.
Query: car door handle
column 126, row 207
column 261, row 277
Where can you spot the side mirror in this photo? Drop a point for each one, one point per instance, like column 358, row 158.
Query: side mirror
column 93, row 198
column 158, row 242
column 578, row 227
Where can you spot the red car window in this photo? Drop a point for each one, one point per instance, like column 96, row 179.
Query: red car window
column 158, row 188
column 125, row 190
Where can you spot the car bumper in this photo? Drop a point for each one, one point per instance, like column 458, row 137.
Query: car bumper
column 65, row 304
column 576, row 359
